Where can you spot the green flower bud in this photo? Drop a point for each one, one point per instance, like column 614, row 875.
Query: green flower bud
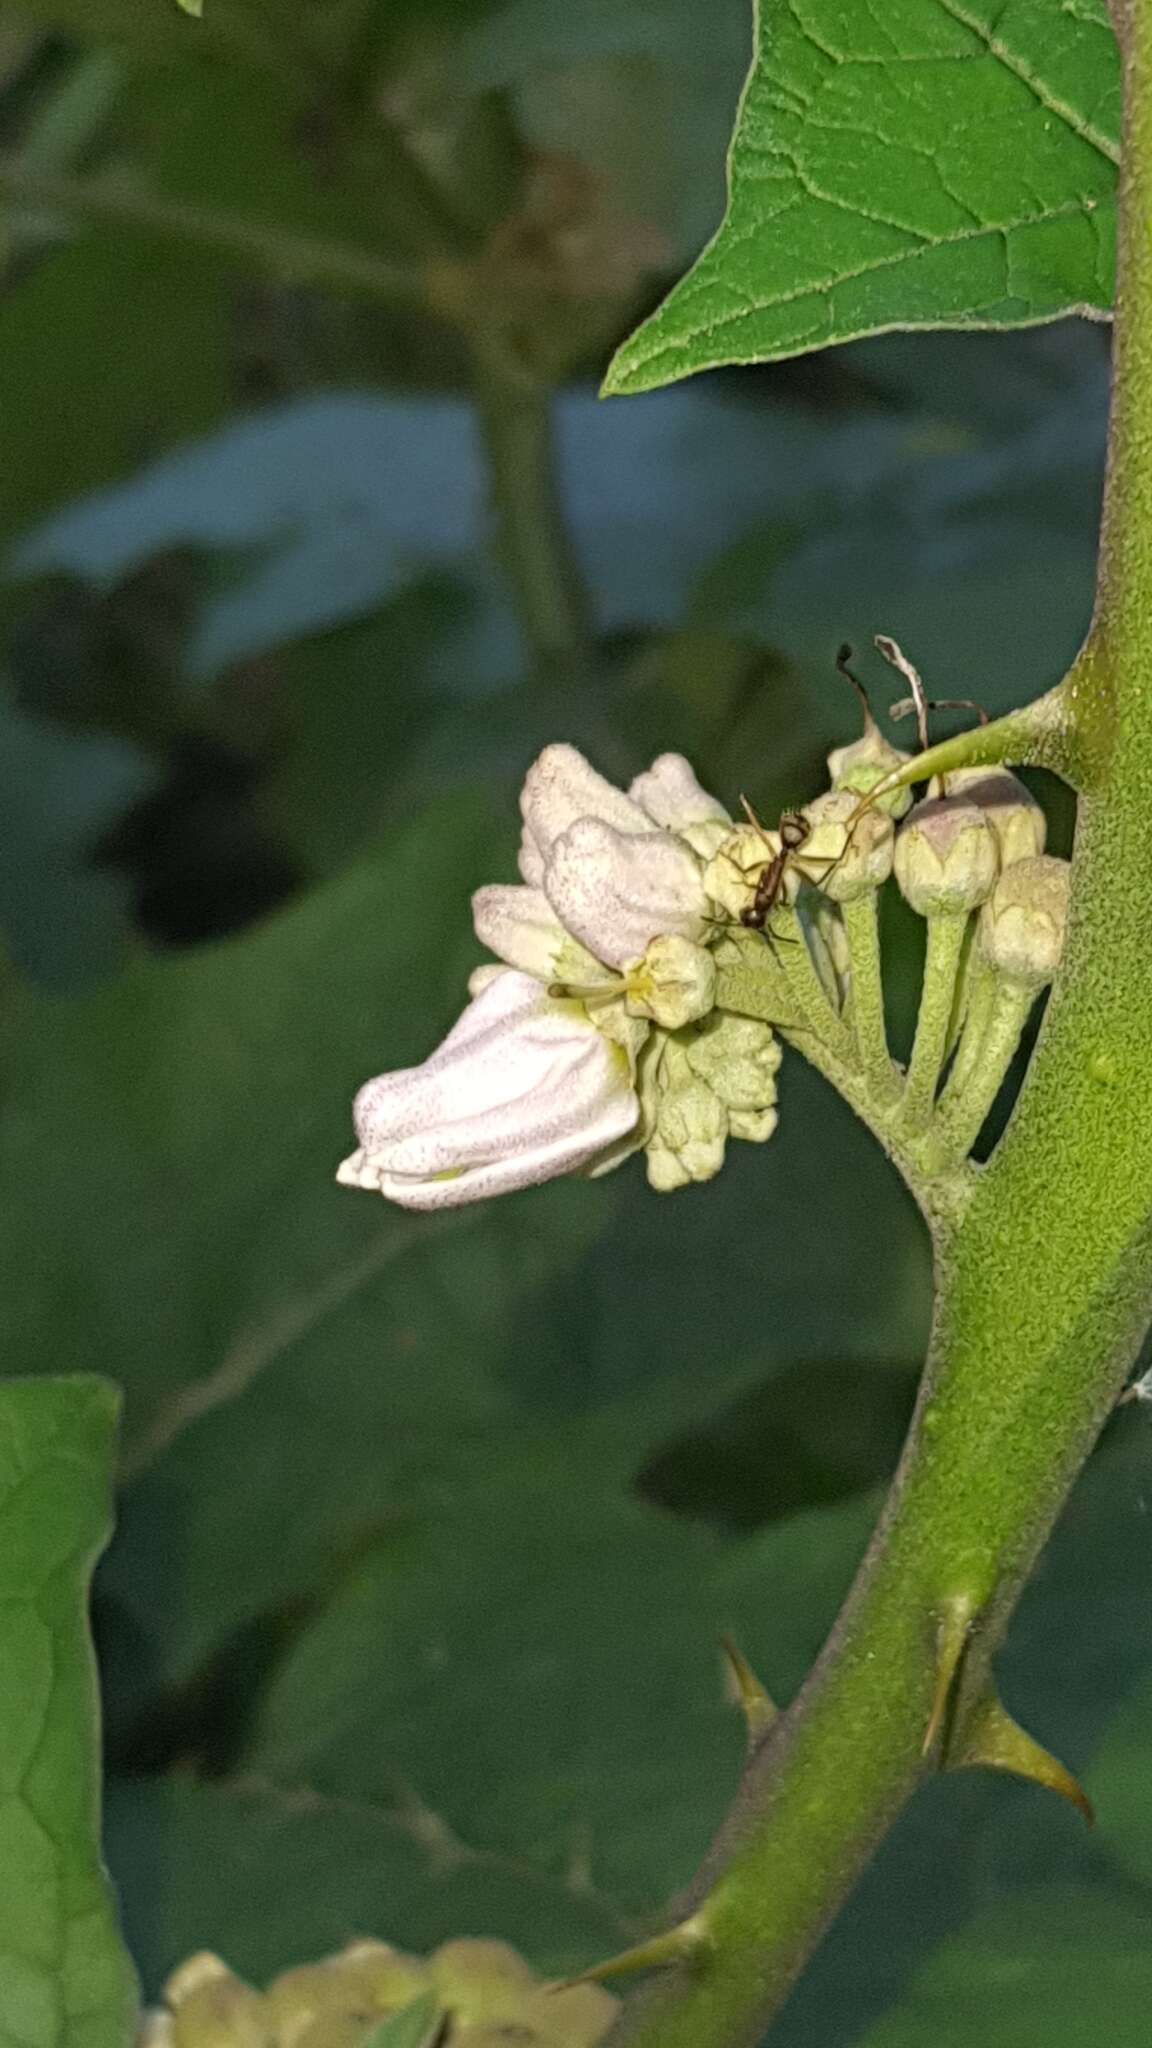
column 212, row 2008
column 753, row 1124
column 843, row 859
column 692, row 1124
column 1022, row 925
column 947, row 858
column 866, row 762
column 1012, row 811
column 331, row 2003
column 738, row 1057
column 674, row 984
column 578, row 2017
column 731, row 875
column 481, row 1981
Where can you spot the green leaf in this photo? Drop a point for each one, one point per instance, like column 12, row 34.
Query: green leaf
column 268, row 1877
column 412, row 2028
column 902, row 163
column 1069, row 1967
column 65, row 1981
column 543, row 1652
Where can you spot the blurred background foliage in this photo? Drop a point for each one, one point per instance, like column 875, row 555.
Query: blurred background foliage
column 314, row 531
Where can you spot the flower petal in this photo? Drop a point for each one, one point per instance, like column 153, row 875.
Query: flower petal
column 560, row 787
column 617, row 891
column 523, row 1088
column 673, row 798
column 520, row 927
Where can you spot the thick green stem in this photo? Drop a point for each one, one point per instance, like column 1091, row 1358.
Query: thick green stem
column 862, row 926
column 1045, row 1288
column 942, row 960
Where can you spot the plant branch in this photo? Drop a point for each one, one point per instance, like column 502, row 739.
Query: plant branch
column 1044, row 1291
column 535, row 546
column 304, row 259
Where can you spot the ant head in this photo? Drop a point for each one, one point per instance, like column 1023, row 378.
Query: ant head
column 794, row 830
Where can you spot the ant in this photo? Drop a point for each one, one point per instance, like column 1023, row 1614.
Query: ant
column 793, row 830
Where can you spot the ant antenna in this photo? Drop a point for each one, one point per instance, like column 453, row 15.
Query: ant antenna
column 842, row 659
column 896, row 658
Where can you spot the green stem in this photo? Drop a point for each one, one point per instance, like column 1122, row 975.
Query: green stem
column 862, row 925
column 965, row 1107
column 516, row 415
column 786, row 936
column 1045, row 1289
column 304, row 259
column 946, row 933
column 974, row 995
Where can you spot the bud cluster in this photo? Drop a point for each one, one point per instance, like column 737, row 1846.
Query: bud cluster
column 479, row 1994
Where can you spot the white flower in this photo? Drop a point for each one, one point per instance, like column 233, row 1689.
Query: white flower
column 673, row 798
column 617, row 891
column 560, row 788
column 523, row 1088
column 522, row 929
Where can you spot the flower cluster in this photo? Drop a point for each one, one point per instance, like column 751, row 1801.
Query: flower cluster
column 346, row 2000
column 597, row 1034
column 633, row 1004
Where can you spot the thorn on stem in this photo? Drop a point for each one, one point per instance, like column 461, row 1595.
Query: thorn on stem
column 758, row 1708
column 992, row 1739
column 684, row 1943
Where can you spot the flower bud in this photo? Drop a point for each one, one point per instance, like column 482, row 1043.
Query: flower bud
column 213, row 2008
column 1012, row 811
column 732, row 873
column 481, row 1980
column 330, row 2004
column 691, row 1126
column 946, row 858
column 866, row 762
column 1022, row 925
column 670, row 794
column 754, row 1125
column 523, row 1088
column 674, row 984
column 495, row 1998
column 617, row 891
column 738, row 1057
column 843, row 859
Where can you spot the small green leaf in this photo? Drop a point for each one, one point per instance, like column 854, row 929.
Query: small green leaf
column 195, row 7
column 65, row 1981
column 902, row 163
column 415, row 2027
